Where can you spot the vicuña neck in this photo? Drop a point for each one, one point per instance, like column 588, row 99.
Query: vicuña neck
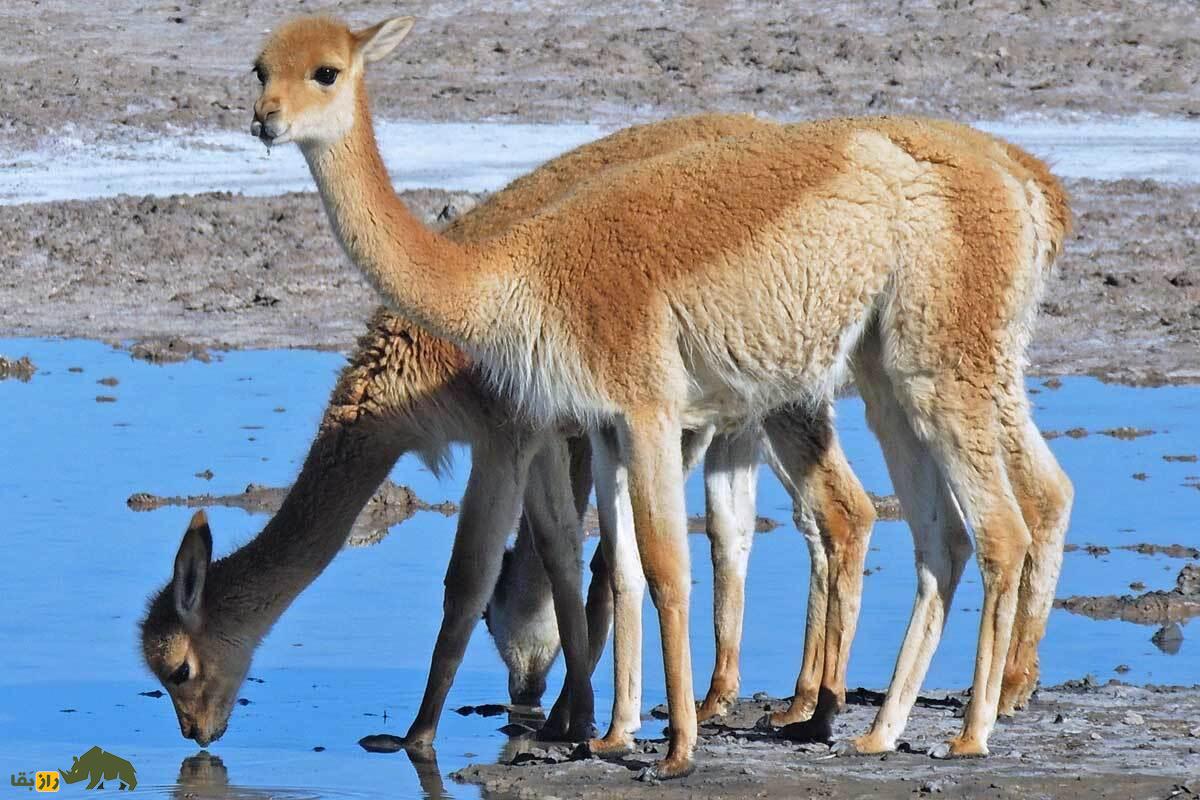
column 446, row 288
column 344, row 467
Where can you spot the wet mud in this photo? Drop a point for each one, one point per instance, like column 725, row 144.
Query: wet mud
column 1079, row 739
column 1149, row 608
column 21, row 369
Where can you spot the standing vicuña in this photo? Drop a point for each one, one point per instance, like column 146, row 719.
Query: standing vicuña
column 713, row 285
column 406, row 391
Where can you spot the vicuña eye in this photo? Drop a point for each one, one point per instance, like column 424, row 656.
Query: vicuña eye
column 180, row 676
column 261, row 72
column 325, row 76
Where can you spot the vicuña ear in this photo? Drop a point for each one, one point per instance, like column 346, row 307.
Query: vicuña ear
column 378, row 41
column 191, row 567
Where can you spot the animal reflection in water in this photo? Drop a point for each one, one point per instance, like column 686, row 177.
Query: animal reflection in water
column 205, row 776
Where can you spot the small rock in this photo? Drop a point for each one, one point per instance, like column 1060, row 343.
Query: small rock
column 1059, row 719
column 1168, row 635
column 1133, row 718
column 760, row 697
column 1194, row 732
column 1188, row 581
column 931, row 787
column 1095, row 737
column 381, row 743
column 939, row 751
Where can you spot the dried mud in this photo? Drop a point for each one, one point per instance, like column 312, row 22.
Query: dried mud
column 1075, row 740
column 166, row 66
column 179, row 276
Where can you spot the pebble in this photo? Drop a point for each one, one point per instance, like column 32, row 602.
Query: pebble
column 1095, row 737
column 931, row 787
column 939, row 751
column 1194, row 732
column 1133, row 718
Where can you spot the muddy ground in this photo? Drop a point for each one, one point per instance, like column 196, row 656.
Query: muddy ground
column 226, row 271
column 186, row 63
column 1078, row 740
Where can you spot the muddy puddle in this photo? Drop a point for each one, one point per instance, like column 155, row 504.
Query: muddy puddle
column 349, row 658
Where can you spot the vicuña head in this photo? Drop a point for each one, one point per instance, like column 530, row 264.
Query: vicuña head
column 311, row 71
column 198, row 661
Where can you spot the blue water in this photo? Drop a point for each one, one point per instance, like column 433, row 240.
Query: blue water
column 80, row 565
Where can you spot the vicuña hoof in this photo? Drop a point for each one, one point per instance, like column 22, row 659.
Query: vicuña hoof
column 959, row 747
column 668, row 769
column 611, row 746
column 860, row 746
column 811, row 730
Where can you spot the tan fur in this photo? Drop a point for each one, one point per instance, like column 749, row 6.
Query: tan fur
column 406, row 391
column 714, row 284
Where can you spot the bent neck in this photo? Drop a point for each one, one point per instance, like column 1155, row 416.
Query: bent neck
column 254, row 585
column 448, row 289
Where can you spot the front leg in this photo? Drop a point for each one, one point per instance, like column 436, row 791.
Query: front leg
column 649, row 445
column 489, row 511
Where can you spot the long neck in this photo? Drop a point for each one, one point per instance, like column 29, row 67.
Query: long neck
column 344, row 467
column 448, row 289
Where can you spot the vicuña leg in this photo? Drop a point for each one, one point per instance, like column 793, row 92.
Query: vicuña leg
column 961, row 424
column 730, row 480
column 1045, row 495
column 489, row 511
column 555, row 524
column 836, row 516
column 940, row 543
column 649, row 446
column 628, row 586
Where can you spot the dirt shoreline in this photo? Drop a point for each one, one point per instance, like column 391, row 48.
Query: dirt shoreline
column 179, row 276
column 1075, row 740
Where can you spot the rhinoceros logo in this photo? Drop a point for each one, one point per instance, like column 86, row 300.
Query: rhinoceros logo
column 98, row 766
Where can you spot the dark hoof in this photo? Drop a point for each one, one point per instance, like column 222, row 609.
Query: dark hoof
column 807, row 732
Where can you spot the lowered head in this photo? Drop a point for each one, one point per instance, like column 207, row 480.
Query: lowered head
column 199, row 661
column 311, row 71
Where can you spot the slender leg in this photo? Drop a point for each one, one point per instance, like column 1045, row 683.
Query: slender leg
column 961, row 428
column 628, row 586
column 940, row 542
column 836, row 515
column 489, row 511
column 650, row 447
column 730, row 479
column 1045, row 495
column 555, row 524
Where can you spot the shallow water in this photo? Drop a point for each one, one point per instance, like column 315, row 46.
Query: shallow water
column 484, row 156
column 356, row 646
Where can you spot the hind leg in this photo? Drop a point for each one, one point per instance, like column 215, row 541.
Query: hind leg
column 836, row 515
column 550, row 506
column 955, row 413
column 730, row 480
column 1045, row 495
column 940, row 541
